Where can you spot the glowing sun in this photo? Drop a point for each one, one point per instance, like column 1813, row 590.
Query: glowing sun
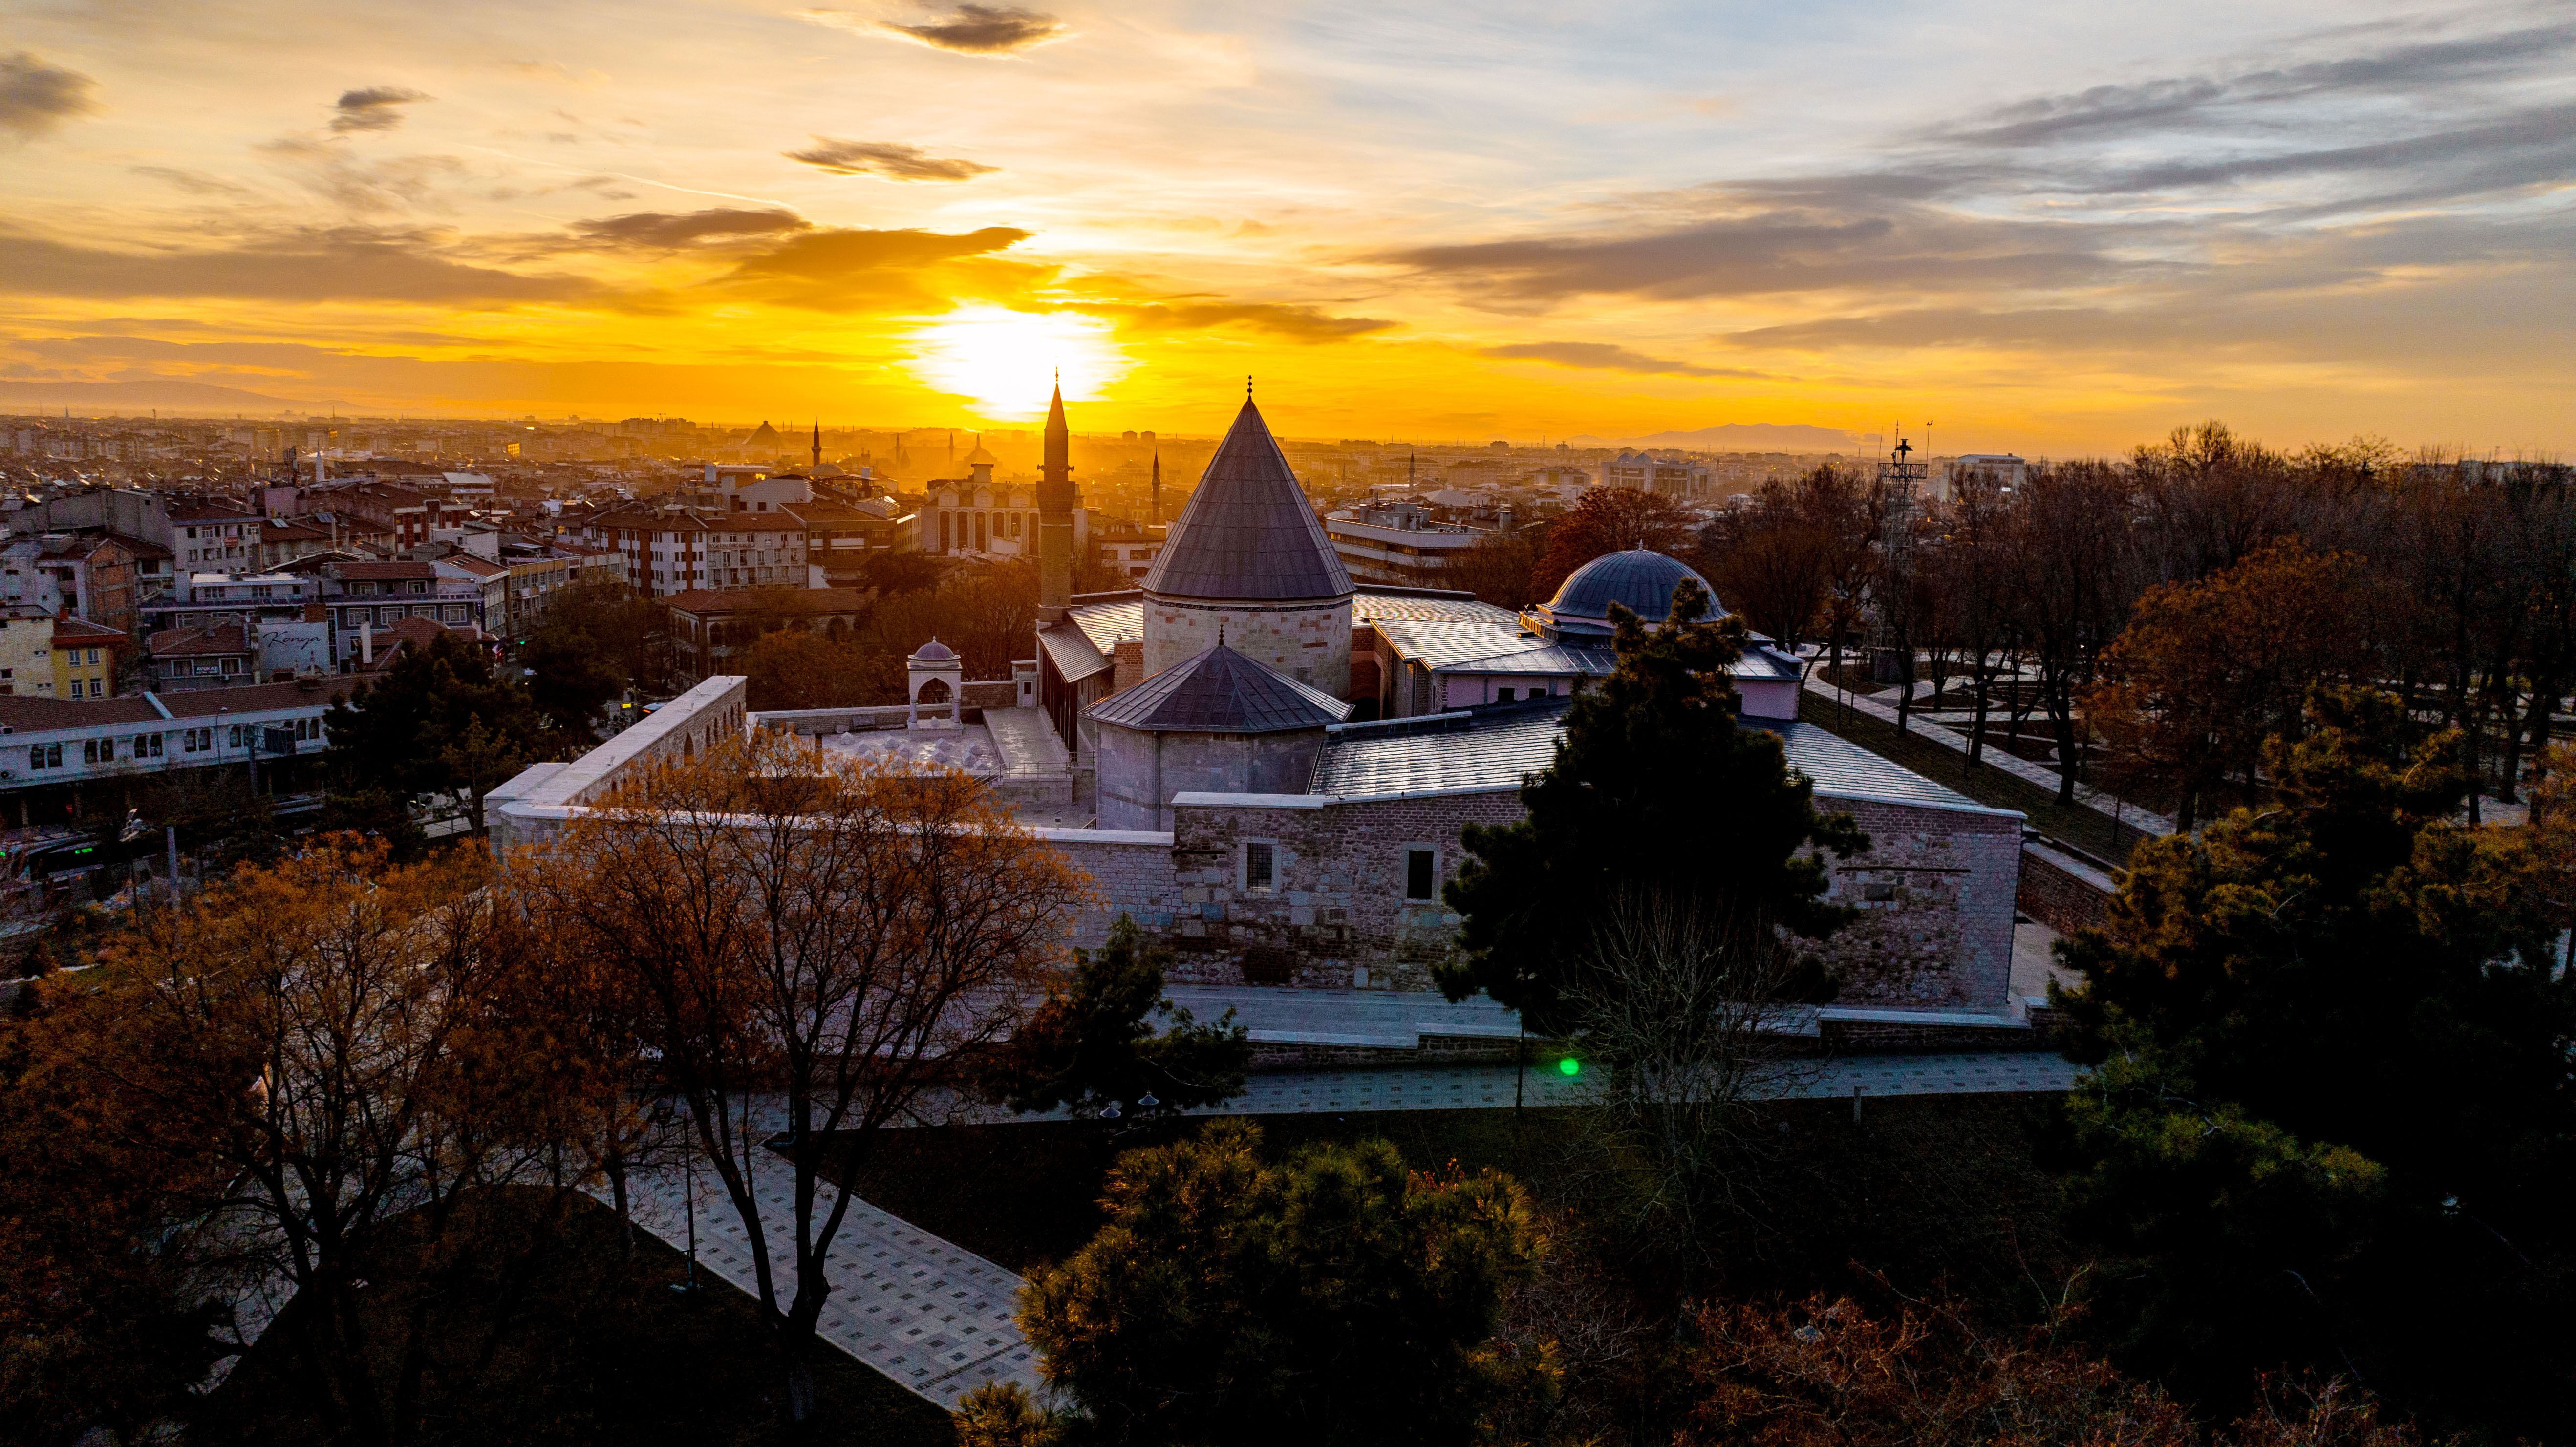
column 1005, row 362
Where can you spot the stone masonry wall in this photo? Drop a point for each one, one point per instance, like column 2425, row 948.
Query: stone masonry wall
column 1336, row 916
column 1308, row 642
column 1935, row 895
column 2063, row 892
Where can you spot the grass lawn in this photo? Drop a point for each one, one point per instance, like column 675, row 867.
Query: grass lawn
column 1935, row 1191
column 2075, row 823
column 550, row 1337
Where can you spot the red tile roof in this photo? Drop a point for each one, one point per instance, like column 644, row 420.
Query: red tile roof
column 252, row 697
column 188, row 642
column 83, row 631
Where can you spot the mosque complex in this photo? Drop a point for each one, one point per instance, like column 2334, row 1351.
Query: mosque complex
column 1268, row 767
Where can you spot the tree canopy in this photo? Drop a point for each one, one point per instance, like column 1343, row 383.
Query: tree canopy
column 1607, row 520
column 2331, row 1103
column 437, row 722
column 1095, row 1042
column 1334, row 1298
column 1655, row 788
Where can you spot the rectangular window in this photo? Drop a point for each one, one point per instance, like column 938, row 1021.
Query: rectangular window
column 1258, row 865
column 1503, row 695
column 53, row 756
column 232, row 665
column 157, row 741
column 93, row 655
column 1421, row 874
column 96, row 687
column 35, row 756
column 89, row 751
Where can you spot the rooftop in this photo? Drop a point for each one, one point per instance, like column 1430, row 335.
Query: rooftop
column 1493, row 748
column 1220, row 692
column 1248, row 532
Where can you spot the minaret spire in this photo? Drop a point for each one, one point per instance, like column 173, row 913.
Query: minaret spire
column 1154, row 499
column 818, row 442
column 1056, row 503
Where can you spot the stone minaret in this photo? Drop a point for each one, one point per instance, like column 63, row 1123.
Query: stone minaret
column 1056, row 502
column 1154, row 499
column 818, row 442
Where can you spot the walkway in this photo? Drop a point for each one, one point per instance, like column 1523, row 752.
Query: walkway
column 2042, row 775
column 933, row 1317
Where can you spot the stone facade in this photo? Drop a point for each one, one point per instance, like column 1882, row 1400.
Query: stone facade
column 1140, row 772
column 2063, row 892
column 1935, row 894
column 1308, row 641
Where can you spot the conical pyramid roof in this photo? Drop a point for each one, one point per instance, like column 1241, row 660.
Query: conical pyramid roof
column 1220, row 692
column 1248, row 532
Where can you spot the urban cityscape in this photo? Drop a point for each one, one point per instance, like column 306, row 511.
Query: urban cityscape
column 1458, row 727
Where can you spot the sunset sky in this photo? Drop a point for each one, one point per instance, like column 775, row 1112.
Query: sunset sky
column 2054, row 229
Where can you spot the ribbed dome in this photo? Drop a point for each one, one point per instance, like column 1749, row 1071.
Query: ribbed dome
column 1640, row 580
column 934, row 652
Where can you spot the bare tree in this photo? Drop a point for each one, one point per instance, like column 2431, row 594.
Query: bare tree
column 1690, row 1016
column 821, row 935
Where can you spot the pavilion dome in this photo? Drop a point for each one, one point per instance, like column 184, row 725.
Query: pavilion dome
column 934, row 652
column 981, row 458
column 1640, row 580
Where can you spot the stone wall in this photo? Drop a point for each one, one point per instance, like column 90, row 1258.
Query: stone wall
column 1310, row 642
column 1335, row 916
column 1935, row 895
column 2063, row 892
column 1139, row 772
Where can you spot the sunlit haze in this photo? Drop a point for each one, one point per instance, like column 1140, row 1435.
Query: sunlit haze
column 2050, row 229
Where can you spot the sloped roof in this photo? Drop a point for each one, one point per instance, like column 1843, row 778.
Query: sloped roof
column 81, row 630
column 1220, row 692
column 1248, row 532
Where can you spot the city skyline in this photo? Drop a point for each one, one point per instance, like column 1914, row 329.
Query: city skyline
column 2059, row 234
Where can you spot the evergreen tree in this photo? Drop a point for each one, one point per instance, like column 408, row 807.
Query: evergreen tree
column 1094, row 1042
column 2330, row 1113
column 437, row 722
column 1336, row 1298
column 1655, row 790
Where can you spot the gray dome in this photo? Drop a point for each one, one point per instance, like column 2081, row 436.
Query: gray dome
column 935, row 652
column 1640, row 580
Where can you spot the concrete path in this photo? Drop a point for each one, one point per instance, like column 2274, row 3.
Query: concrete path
column 932, row 1316
column 2147, row 821
column 1396, row 1019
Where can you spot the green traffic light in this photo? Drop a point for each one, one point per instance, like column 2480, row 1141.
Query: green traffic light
column 1569, row 1066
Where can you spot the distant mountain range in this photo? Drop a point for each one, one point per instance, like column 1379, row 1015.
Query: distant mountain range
column 1738, row 437
column 171, row 392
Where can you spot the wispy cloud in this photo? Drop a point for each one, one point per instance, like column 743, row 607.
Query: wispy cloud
column 376, row 108
column 36, row 98
column 890, row 159
column 1288, row 321
column 347, row 263
column 668, row 231
column 1606, row 357
column 993, row 30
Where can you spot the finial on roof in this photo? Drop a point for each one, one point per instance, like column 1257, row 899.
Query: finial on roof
column 1247, row 386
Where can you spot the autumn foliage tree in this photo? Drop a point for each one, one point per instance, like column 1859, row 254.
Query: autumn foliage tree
column 313, row 1050
column 1607, row 520
column 2207, row 671
column 809, row 938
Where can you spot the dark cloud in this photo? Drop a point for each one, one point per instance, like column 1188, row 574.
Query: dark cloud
column 346, row 264
column 1605, row 357
column 1772, row 251
column 891, row 159
column 1291, row 322
column 966, row 30
column 849, row 270
column 36, row 97
column 668, row 231
column 376, row 108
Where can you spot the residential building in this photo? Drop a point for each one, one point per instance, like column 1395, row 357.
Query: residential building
column 59, row 741
column 26, row 650
column 665, row 546
column 88, row 575
column 1398, row 543
column 709, row 628
column 85, row 658
column 1126, row 547
column 975, row 514
column 1671, row 476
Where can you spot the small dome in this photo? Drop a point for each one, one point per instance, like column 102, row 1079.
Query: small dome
column 981, row 458
column 1640, row 580
column 934, row 652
